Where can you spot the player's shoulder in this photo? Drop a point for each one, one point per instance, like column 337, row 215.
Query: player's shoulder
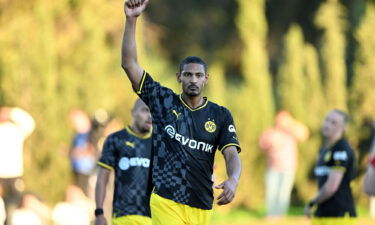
column 118, row 134
column 342, row 150
column 150, row 79
column 222, row 110
column 342, row 145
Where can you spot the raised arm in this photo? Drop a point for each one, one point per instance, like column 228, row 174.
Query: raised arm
column 129, row 61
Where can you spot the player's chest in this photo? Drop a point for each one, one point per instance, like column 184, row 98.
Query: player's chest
column 325, row 156
column 133, row 148
column 202, row 124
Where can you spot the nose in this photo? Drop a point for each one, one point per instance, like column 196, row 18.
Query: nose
column 194, row 79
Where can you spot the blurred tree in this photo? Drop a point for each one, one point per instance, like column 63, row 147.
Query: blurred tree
column 362, row 98
column 291, row 82
column 203, row 28
column 253, row 100
column 59, row 55
column 362, row 94
column 331, row 18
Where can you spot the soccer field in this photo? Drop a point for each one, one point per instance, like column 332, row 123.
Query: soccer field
column 286, row 221
column 243, row 217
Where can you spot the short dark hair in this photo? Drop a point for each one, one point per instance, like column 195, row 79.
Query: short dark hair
column 193, row 59
column 138, row 103
column 343, row 114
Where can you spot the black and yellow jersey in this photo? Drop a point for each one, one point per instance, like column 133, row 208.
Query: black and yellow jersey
column 184, row 143
column 129, row 155
column 339, row 157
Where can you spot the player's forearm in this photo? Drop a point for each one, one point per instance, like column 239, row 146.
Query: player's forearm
column 233, row 165
column 100, row 189
column 324, row 194
column 129, row 47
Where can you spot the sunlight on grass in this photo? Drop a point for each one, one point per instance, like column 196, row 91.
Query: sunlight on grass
column 295, row 217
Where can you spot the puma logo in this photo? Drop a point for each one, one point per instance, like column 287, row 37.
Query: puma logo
column 130, row 144
column 176, row 114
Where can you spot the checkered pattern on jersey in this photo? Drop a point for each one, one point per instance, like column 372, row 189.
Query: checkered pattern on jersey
column 128, row 155
column 182, row 172
column 169, row 171
column 339, row 157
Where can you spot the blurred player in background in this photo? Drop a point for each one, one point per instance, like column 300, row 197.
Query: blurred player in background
column 334, row 171
column 128, row 154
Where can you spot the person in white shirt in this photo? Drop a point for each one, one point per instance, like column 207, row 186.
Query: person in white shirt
column 15, row 126
column 75, row 210
column 27, row 213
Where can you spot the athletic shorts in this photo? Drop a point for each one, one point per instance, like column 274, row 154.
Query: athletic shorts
column 132, row 220
column 334, row 221
column 168, row 212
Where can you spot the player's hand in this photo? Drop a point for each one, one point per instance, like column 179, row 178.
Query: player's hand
column 308, row 211
column 134, row 8
column 229, row 189
column 100, row 220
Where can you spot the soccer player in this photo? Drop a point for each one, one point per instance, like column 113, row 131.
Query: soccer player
column 334, row 171
column 187, row 131
column 127, row 153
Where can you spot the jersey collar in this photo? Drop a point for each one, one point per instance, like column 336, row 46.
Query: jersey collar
column 137, row 135
column 195, row 109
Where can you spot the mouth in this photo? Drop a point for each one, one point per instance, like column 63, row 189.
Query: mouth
column 149, row 123
column 193, row 87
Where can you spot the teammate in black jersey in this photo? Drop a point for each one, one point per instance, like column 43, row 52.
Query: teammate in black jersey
column 334, row 171
column 187, row 131
column 128, row 154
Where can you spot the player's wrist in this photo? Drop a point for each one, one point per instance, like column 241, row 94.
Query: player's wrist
column 98, row 212
column 132, row 19
column 233, row 180
column 311, row 203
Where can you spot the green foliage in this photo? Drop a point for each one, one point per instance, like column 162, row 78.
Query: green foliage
column 252, row 101
column 331, row 19
column 362, row 94
column 291, row 82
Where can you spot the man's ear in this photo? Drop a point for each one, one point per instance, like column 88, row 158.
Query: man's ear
column 178, row 76
column 207, row 76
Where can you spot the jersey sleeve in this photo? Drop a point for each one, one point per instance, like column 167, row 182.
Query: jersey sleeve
column 341, row 160
column 227, row 135
column 156, row 96
column 107, row 159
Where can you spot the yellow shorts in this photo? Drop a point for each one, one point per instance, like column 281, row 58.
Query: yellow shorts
column 132, row 220
column 334, row 221
column 168, row 212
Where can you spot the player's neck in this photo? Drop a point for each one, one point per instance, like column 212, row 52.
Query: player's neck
column 137, row 130
column 329, row 142
column 193, row 101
